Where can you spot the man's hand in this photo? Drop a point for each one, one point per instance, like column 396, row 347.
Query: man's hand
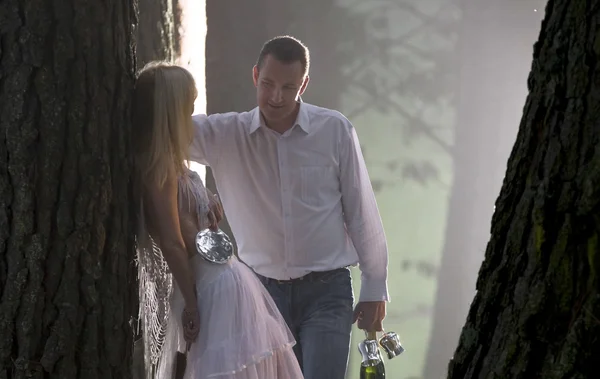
column 370, row 315
column 215, row 212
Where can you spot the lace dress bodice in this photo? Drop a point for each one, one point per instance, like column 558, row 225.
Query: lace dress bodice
column 192, row 194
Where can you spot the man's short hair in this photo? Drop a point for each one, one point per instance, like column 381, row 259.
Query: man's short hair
column 286, row 49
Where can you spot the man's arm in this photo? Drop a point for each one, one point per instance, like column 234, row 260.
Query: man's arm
column 205, row 145
column 362, row 219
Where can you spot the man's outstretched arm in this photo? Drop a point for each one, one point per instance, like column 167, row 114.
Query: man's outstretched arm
column 205, row 143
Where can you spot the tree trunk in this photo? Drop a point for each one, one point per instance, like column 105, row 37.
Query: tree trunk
column 492, row 91
column 235, row 33
column 536, row 313
column 158, row 31
column 66, row 272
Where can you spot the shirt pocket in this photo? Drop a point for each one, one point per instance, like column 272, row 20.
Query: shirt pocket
column 318, row 184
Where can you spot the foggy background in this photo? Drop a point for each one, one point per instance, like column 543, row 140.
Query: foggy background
column 435, row 89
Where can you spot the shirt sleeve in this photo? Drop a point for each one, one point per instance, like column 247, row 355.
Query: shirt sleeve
column 205, row 145
column 362, row 218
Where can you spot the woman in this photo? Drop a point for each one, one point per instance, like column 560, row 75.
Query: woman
column 220, row 314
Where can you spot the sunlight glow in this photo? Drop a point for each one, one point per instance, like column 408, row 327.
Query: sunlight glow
column 193, row 41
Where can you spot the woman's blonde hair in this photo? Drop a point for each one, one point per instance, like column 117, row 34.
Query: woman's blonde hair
column 163, row 103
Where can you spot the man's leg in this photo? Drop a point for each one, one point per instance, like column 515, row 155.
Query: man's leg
column 281, row 294
column 325, row 306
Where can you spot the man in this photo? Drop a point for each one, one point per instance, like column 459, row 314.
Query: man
column 298, row 197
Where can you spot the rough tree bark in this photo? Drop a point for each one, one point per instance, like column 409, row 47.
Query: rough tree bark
column 489, row 107
column 67, row 296
column 537, row 310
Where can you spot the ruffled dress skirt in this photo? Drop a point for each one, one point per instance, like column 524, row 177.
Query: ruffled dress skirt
column 242, row 334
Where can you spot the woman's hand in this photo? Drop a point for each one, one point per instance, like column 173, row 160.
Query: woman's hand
column 190, row 319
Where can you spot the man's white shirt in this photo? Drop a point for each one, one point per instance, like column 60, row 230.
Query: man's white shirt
column 296, row 202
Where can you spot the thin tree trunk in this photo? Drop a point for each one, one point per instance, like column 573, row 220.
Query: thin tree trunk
column 158, row 31
column 66, row 273
column 490, row 103
column 537, row 310
column 236, row 32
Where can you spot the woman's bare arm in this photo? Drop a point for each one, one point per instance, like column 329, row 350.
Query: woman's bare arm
column 188, row 221
column 161, row 207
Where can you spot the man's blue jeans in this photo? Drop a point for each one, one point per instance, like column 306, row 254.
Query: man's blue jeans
column 318, row 310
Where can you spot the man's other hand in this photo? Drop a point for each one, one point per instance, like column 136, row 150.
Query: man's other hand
column 370, row 315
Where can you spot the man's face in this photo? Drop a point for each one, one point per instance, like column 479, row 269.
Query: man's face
column 278, row 86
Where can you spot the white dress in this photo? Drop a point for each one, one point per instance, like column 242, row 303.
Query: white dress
column 242, row 334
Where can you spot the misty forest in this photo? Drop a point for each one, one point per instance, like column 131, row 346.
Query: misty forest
column 479, row 121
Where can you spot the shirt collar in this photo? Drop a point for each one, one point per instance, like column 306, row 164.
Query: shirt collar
column 302, row 119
